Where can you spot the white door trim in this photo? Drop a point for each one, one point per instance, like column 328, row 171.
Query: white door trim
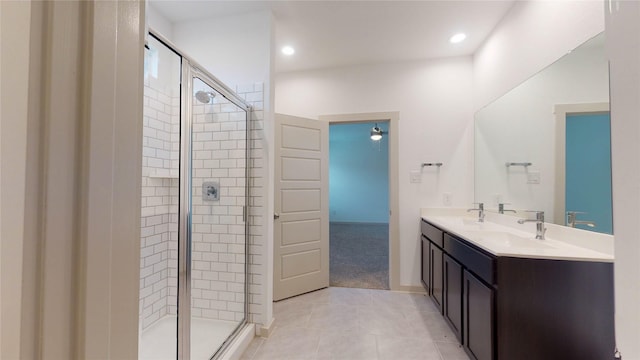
column 394, row 208
column 560, row 112
column 78, row 153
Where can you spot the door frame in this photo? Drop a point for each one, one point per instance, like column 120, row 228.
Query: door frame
column 394, row 208
column 560, row 112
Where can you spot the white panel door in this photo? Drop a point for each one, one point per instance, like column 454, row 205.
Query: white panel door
column 301, row 228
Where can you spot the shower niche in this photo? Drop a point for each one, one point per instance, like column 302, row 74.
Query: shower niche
column 194, row 229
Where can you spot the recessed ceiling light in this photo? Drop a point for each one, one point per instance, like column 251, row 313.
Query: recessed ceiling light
column 288, row 50
column 457, row 38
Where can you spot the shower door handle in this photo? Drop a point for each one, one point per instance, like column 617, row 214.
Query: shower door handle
column 276, row 216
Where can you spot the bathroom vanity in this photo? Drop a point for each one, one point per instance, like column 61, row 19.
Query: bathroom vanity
column 509, row 296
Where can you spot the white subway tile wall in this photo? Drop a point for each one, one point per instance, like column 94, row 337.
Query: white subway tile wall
column 159, row 214
column 218, row 237
column 218, row 252
column 257, row 197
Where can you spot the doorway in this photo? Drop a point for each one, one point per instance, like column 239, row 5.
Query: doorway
column 298, row 252
column 392, row 119
column 588, row 172
column 583, row 167
column 359, row 205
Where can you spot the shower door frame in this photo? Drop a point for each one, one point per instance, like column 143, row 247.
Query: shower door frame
column 191, row 70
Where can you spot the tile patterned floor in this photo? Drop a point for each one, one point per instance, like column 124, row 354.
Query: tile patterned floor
column 351, row 324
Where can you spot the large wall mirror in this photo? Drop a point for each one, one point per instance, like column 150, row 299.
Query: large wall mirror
column 546, row 144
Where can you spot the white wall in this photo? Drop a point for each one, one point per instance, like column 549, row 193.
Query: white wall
column 235, row 49
column 157, row 22
column 623, row 46
column 532, row 35
column 434, row 99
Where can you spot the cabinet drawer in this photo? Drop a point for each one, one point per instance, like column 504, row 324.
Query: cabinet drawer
column 477, row 262
column 432, row 233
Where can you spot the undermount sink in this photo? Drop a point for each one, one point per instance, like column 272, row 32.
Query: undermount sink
column 466, row 223
column 505, row 239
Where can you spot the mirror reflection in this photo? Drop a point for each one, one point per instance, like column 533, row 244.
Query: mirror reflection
column 546, row 144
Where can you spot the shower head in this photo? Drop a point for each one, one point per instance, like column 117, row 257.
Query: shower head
column 205, row 97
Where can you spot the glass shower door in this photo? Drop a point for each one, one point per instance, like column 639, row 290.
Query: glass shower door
column 194, row 233
column 159, row 207
column 217, row 224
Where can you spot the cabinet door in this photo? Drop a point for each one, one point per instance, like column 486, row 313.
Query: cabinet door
column 436, row 275
column 425, row 265
column 478, row 315
column 453, row 294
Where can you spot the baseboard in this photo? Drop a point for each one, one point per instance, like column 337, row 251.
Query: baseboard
column 266, row 331
column 240, row 343
column 410, row 289
column 357, row 223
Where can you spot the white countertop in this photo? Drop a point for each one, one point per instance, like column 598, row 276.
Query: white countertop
column 500, row 235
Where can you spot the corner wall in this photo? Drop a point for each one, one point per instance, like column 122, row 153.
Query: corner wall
column 234, row 49
column 532, row 35
column 157, row 22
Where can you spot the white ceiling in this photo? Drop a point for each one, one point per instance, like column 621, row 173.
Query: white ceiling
column 339, row 33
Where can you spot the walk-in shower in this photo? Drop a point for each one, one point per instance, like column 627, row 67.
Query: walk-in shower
column 193, row 276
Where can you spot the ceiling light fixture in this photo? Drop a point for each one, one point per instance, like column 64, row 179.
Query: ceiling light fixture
column 457, row 38
column 288, row 50
column 376, row 133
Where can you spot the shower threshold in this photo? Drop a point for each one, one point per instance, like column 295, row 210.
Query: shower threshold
column 159, row 341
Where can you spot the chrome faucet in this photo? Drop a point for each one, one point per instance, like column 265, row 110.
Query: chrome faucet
column 572, row 221
column 540, row 229
column 480, row 211
column 501, row 208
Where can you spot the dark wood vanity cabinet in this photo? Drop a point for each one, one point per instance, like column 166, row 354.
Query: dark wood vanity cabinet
column 437, row 289
column 425, row 267
column 549, row 307
column 505, row 308
column 478, row 315
column 455, row 275
column 452, row 279
column 432, row 240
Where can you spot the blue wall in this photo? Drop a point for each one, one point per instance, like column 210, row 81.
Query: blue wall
column 588, row 170
column 358, row 174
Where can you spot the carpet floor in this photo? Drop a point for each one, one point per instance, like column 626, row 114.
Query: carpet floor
column 359, row 255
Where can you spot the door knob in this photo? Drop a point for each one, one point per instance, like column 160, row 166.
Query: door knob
column 276, row 216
